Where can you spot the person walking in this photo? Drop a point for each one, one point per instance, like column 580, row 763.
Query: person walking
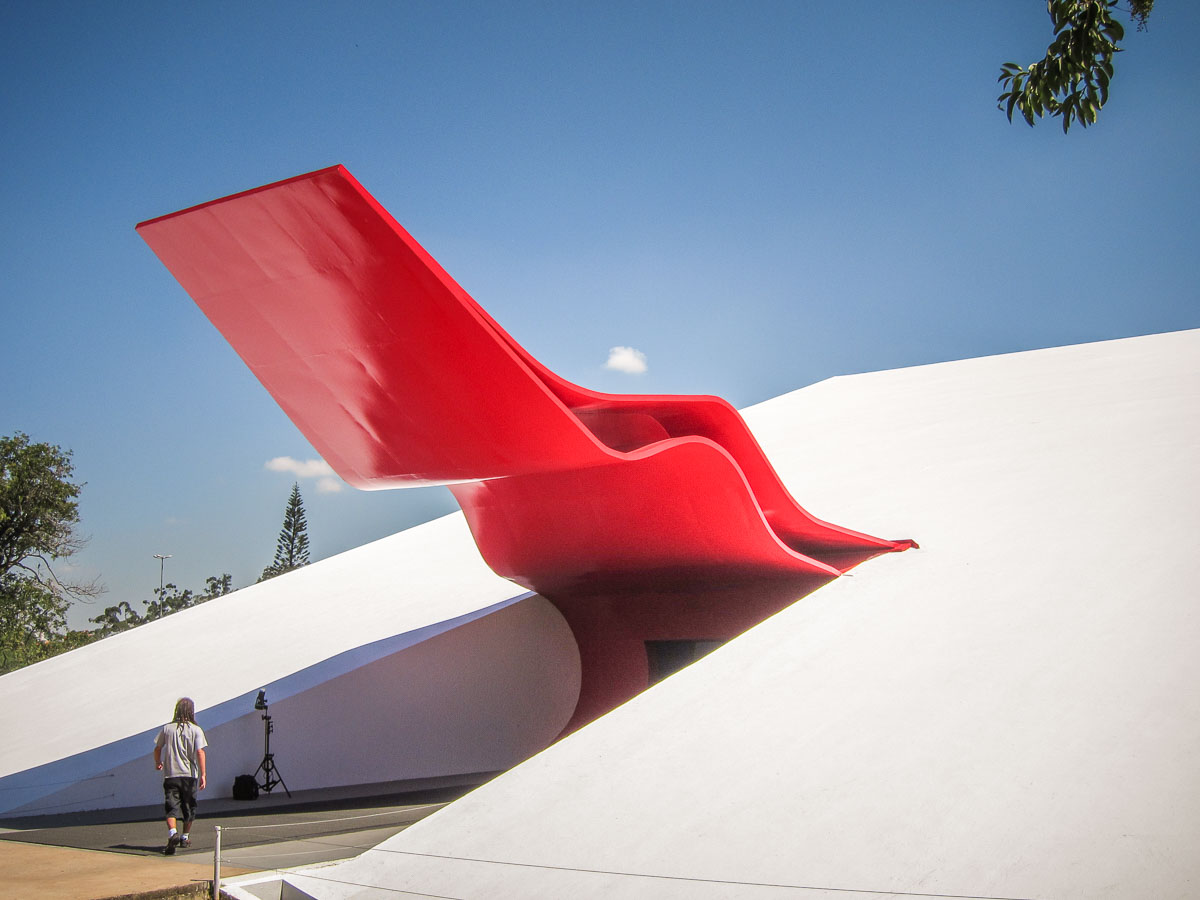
column 179, row 755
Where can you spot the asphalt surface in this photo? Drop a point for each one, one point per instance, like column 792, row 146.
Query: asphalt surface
column 82, row 856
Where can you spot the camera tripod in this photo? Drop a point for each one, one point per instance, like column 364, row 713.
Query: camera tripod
column 270, row 773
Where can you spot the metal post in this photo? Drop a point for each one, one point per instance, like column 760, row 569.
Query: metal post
column 162, row 561
column 216, row 893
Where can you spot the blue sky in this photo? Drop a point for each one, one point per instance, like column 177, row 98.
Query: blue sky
column 756, row 196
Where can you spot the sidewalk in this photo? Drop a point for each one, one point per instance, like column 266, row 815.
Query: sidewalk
column 66, row 873
column 91, row 856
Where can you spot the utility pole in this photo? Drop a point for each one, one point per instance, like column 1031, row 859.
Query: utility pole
column 162, row 561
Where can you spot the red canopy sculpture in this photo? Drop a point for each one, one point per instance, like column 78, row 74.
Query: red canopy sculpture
column 398, row 378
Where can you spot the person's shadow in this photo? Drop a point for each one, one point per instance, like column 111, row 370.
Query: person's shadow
column 156, row 849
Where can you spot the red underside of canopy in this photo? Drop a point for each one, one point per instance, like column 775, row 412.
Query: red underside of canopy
column 398, row 378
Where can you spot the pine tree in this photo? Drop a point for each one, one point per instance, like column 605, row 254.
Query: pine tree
column 291, row 551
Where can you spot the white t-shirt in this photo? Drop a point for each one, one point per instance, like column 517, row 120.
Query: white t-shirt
column 180, row 742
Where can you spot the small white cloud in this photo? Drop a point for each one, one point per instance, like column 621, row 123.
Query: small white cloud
column 308, row 468
column 328, row 485
column 627, row 360
column 327, row 480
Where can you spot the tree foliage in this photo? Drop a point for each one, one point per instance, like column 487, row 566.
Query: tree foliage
column 291, row 550
column 1072, row 80
column 39, row 510
column 171, row 599
column 118, row 618
column 122, row 616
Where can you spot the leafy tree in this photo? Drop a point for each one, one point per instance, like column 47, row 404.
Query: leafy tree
column 291, row 550
column 30, row 615
column 1072, row 80
column 122, row 617
column 215, row 586
column 171, row 599
column 116, row 619
column 38, row 513
column 71, row 640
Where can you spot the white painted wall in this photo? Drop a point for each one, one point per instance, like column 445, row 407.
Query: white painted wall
column 76, row 728
column 478, row 698
column 1010, row 711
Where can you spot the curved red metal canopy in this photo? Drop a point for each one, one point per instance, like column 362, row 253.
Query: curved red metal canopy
column 399, row 378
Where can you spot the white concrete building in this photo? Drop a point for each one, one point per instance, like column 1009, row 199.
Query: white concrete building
column 409, row 642
column 1008, row 712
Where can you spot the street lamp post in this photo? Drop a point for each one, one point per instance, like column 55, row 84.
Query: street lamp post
column 162, row 561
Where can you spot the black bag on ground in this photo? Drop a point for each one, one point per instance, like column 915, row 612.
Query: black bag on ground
column 245, row 788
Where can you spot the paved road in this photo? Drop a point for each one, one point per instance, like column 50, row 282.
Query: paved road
column 49, row 856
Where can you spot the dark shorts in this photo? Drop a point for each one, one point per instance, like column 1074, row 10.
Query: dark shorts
column 180, row 798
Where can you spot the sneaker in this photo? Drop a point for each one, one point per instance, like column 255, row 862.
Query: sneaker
column 172, row 842
column 185, row 841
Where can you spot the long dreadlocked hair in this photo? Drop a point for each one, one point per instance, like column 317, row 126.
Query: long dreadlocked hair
column 185, row 711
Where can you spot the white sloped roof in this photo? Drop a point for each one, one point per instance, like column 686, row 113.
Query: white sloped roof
column 1010, row 711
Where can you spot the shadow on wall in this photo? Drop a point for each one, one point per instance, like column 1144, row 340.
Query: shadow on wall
column 478, row 698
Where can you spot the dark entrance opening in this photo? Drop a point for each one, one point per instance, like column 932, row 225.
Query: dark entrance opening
column 668, row 657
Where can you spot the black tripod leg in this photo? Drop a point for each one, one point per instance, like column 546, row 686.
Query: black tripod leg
column 279, row 780
column 267, row 767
